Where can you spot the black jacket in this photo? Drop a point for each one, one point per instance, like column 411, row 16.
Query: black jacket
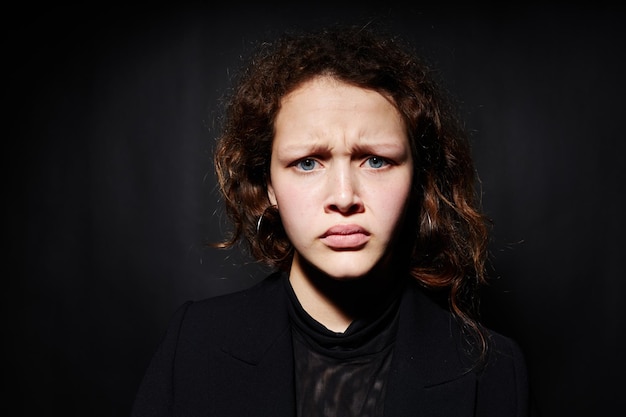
column 232, row 355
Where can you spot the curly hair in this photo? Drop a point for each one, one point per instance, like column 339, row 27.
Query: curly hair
column 446, row 238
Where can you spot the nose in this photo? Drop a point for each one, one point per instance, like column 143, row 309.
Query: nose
column 343, row 192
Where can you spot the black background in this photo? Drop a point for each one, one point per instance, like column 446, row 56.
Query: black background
column 110, row 114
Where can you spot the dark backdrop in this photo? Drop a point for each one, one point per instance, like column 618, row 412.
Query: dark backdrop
column 111, row 113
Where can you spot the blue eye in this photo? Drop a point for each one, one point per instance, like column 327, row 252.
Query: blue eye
column 376, row 162
column 306, row 164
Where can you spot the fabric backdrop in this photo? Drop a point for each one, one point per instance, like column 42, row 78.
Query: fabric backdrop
column 112, row 112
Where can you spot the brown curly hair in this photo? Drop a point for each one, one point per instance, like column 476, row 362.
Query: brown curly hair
column 446, row 238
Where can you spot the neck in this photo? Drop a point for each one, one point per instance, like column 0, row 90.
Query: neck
column 335, row 303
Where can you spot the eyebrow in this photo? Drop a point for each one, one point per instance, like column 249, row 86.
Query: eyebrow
column 304, row 149
column 379, row 147
column 383, row 149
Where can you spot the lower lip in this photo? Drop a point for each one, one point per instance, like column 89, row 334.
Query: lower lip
column 351, row 241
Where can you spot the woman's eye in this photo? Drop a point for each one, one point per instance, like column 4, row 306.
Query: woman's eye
column 376, row 162
column 306, row 164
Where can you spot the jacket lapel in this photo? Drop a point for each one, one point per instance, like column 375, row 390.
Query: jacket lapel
column 428, row 375
column 259, row 358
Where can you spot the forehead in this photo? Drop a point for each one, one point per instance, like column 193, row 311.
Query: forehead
column 327, row 107
column 327, row 89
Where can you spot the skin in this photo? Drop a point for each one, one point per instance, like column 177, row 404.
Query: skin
column 340, row 175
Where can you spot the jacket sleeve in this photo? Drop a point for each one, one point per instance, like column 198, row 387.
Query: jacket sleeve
column 156, row 392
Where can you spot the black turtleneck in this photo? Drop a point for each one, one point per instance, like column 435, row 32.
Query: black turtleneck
column 342, row 374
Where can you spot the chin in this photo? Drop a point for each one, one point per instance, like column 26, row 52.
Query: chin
column 347, row 269
column 341, row 266
column 345, row 275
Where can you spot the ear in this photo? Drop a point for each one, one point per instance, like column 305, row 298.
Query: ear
column 271, row 195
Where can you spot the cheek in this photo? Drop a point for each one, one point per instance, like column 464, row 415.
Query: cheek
column 392, row 205
column 293, row 204
column 287, row 196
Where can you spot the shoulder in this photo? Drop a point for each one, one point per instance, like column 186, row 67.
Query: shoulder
column 504, row 356
column 432, row 321
column 234, row 304
column 237, row 303
column 501, row 345
column 259, row 308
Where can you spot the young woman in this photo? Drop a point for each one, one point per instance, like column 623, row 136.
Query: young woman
column 343, row 166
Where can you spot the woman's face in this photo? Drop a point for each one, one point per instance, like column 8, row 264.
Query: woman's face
column 340, row 175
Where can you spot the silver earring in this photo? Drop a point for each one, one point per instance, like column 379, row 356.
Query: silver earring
column 258, row 223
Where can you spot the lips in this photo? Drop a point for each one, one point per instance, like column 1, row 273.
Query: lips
column 345, row 237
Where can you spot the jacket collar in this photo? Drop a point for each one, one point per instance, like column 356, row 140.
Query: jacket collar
column 426, row 353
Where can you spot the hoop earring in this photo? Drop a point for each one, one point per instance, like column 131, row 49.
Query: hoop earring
column 271, row 240
column 258, row 223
